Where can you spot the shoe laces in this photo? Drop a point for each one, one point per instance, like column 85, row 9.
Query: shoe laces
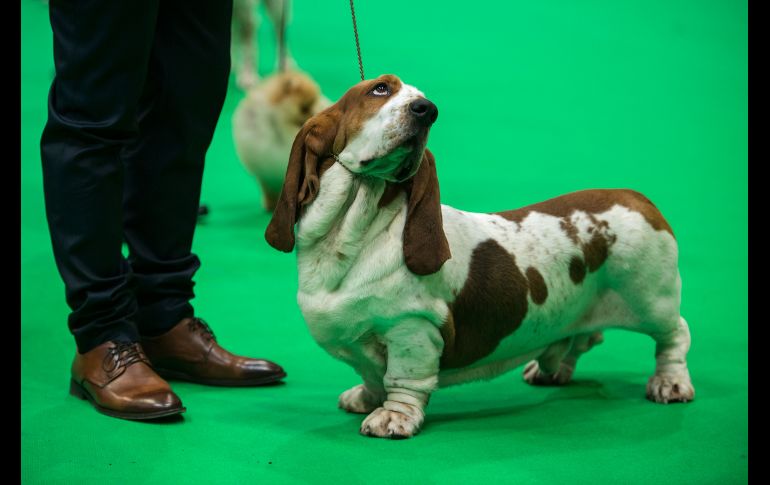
column 198, row 324
column 123, row 354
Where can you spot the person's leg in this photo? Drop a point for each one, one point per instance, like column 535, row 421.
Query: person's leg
column 101, row 53
column 187, row 84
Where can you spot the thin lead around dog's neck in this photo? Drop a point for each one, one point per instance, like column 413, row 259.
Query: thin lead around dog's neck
column 358, row 46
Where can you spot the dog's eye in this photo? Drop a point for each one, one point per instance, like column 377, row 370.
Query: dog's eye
column 381, row 89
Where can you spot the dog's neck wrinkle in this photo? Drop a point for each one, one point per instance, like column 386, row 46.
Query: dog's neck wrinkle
column 337, row 225
column 335, row 194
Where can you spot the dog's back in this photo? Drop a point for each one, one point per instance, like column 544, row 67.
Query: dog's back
column 572, row 265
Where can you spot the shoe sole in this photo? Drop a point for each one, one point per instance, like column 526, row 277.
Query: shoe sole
column 181, row 376
column 79, row 392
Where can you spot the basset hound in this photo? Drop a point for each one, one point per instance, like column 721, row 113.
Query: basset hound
column 416, row 295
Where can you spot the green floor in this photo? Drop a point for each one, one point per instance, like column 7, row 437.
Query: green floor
column 535, row 99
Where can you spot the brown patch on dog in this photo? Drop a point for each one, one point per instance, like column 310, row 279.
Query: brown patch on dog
column 537, row 288
column 491, row 305
column 593, row 201
column 577, row 269
column 596, row 249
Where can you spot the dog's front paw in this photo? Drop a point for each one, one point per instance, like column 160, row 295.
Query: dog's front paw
column 536, row 377
column 670, row 388
column 359, row 399
column 383, row 423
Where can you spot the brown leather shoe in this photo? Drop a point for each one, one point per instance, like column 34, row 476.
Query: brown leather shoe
column 190, row 352
column 118, row 380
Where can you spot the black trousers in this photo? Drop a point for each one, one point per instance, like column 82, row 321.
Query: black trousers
column 139, row 87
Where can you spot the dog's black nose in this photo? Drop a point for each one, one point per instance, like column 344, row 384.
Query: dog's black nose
column 425, row 111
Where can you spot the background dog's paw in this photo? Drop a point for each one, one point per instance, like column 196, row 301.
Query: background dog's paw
column 535, row 376
column 670, row 388
column 358, row 399
column 383, row 423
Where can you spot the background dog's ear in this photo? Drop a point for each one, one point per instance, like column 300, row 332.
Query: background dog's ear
column 425, row 245
column 311, row 147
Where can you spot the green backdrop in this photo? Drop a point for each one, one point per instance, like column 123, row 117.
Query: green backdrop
column 536, row 99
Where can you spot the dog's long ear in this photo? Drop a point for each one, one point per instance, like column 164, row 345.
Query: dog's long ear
column 312, row 146
column 425, row 244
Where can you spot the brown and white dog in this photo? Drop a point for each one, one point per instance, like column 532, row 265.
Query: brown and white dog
column 416, row 295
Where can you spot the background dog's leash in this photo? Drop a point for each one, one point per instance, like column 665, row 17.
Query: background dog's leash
column 358, row 46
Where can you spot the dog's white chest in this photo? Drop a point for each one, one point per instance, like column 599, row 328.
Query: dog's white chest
column 349, row 260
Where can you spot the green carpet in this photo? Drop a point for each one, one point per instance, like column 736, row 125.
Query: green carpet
column 536, row 99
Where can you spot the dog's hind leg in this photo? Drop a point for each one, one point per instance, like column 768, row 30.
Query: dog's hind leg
column 645, row 275
column 658, row 307
column 557, row 364
column 671, row 381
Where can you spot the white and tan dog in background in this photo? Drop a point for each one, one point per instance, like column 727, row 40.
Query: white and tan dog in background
column 265, row 123
column 416, row 295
